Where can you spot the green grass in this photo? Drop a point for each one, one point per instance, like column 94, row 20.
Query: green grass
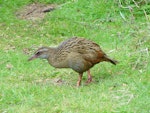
column 27, row 87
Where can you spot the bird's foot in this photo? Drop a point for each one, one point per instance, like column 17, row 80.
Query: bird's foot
column 78, row 83
column 89, row 80
column 79, row 79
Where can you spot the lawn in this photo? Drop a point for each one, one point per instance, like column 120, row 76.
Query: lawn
column 122, row 29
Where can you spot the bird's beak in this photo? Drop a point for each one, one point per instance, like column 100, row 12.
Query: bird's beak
column 32, row 57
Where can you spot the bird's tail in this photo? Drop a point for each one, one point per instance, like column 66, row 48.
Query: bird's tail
column 110, row 60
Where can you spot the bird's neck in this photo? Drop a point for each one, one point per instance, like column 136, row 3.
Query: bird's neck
column 54, row 60
column 51, row 55
column 51, row 52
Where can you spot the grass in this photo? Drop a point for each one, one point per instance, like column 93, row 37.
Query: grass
column 27, row 87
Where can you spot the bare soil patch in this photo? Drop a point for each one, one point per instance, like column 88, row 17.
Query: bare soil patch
column 35, row 11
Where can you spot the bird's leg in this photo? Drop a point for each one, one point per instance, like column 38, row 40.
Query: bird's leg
column 79, row 79
column 89, row 77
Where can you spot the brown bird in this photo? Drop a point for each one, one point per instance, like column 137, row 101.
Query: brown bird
column 78, row 54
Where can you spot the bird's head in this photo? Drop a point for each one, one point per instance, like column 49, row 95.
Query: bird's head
column 42, row 53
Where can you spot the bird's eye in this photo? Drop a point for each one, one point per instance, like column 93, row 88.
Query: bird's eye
column 38, row 53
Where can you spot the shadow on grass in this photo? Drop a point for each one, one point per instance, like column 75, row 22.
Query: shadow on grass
column 101, row 76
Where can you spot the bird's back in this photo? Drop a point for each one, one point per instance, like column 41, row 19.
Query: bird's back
column 78, row 45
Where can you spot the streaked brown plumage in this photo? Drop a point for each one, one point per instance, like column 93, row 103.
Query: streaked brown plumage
column 78, row 54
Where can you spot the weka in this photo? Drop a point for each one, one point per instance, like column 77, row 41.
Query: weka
column 78, row 54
